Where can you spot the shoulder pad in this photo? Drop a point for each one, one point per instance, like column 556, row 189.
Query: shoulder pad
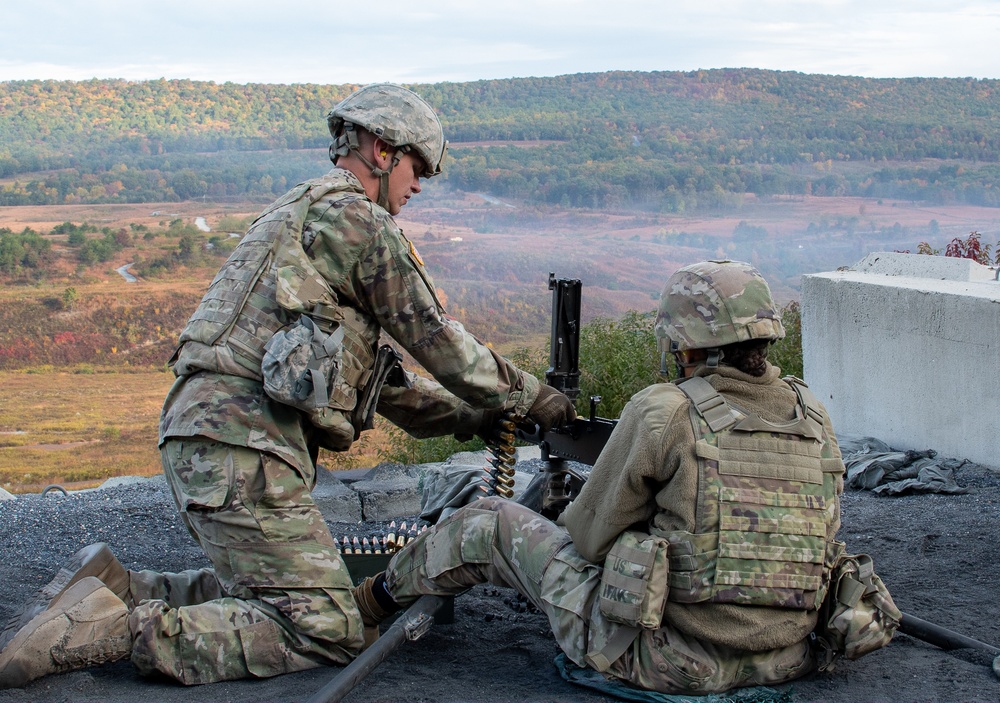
column 708, row 403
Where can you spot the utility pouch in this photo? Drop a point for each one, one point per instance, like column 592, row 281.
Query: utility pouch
column 387, row 369
column 634, row 584
column 301, row 362
column 858, row 615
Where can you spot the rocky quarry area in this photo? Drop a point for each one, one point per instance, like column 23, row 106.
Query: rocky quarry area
column 938, row 554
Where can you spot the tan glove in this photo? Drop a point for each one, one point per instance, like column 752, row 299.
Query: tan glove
column 551, row 409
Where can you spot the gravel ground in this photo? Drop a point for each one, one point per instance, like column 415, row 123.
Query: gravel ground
column 938, row 554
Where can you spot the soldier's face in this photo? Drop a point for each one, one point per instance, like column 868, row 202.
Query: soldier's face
column 404, row 181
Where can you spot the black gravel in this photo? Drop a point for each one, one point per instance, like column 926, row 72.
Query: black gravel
column 939, row 555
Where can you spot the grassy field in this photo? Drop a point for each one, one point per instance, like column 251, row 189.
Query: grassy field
column 78, row 429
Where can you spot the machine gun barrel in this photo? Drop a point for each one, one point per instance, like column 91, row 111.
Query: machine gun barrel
column 583, row 439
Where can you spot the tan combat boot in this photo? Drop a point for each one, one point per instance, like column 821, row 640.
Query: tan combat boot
column 93, row 560
column 87, row 625
column 372, row 611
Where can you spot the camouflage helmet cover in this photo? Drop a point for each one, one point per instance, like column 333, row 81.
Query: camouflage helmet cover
column 396, row 115
column 714, row 303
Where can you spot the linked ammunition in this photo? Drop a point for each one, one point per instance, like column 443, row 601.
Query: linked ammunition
column 499, row 477
column 389, row 543
column 390, row 539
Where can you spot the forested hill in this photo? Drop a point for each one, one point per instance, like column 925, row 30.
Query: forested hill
column 666, row 141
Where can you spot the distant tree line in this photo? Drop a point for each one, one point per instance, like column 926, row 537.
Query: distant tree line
column 670, row 141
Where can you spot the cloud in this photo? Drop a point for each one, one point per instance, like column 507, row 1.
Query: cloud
column 437, row 40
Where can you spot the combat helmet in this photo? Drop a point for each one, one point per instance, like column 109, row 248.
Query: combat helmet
column 714, row 303
column 395, row 115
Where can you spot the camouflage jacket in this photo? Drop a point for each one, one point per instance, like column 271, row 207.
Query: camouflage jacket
column 649, row 474
column 377, row 275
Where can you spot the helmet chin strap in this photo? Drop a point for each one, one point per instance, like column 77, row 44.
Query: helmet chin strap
column 348, row 141
column 711, row 361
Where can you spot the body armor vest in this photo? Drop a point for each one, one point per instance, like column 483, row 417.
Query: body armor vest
column 265, row 285
column 767, row 501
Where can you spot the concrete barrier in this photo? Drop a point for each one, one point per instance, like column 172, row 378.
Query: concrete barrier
column 906, row 348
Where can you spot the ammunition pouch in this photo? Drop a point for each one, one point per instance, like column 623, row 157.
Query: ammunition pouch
column 634, row 583
column 300, row 364
column 858, row 615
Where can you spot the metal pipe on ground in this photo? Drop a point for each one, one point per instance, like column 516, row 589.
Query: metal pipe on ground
column 941, row 636
column 410, row 626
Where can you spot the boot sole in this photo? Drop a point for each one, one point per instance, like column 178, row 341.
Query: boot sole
column 13, row 673
column 93, row 560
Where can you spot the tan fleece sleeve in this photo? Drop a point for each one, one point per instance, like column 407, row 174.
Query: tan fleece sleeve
column 627, row 476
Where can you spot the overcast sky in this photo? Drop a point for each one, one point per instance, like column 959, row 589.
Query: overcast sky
column 427, row 41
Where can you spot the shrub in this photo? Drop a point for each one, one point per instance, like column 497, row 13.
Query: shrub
column 406, row 449
column 618, row 358
column 27, row 250
column 968, row 248
column 787, row 353
column 69, row 298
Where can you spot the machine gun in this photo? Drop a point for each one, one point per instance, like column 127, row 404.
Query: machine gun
column 580, row 441
column 552, row 490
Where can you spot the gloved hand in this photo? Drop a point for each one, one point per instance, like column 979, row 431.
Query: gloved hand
column 487, row 429
column 551, row 409
column 490, row 425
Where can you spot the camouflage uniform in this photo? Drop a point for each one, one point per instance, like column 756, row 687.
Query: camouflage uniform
column 739, row 476
column 241, row 466
column 698, row 648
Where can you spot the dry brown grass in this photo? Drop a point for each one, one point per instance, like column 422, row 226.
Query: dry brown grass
column 78, row 429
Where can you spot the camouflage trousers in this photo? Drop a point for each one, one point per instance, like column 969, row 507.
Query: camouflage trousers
column 278, row 598
column 505, row 544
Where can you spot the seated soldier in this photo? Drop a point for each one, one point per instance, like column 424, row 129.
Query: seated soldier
column 731, row 473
